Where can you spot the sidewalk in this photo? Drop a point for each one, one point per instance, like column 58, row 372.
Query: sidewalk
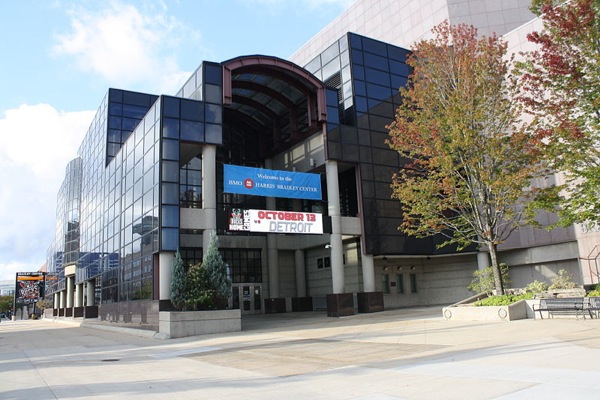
column 397, row 354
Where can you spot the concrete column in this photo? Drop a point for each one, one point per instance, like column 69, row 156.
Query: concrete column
column 165, row 274
column 337, row 260
column 209, row 191
column 56, row 302
column 70, row 291
column 63, row 298
column 300, row 273
column 79, row 295
column 90, row 288
column 483, row 260
column 368, row 272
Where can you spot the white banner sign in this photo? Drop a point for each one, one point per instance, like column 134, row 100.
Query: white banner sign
column 271, row 221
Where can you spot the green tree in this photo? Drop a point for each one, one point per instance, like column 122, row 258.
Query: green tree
column 561, row 92
column 6, row 303
column 198, row 295
column 217, row 277
column 178, row 283
column 469, row 159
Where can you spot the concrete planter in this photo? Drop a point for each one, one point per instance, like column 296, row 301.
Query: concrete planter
column 464, row 312
column 176, row 324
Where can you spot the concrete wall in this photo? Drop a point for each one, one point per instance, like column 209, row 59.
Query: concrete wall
column 441, row 280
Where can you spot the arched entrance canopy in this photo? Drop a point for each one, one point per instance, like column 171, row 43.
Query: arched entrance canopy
column 284, row 100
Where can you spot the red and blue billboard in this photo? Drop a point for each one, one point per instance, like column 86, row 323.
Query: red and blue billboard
column 271, row 183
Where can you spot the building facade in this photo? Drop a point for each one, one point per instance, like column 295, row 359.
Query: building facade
column 150, row 180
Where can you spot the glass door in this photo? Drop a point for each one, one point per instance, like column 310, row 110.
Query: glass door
column 247, row 297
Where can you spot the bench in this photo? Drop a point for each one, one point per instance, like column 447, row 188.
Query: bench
column 563, row 306
column 593, row 305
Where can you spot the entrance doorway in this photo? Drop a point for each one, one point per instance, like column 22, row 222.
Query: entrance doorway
column 247, row 297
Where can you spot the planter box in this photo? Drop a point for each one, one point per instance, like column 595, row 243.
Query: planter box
column 340, row 304
column 369, row 302
column 461, row 312
column 176, row 324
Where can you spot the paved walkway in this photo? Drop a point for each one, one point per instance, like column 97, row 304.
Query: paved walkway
column 398, row 354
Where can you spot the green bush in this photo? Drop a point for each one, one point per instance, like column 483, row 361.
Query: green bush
column 536, row 287
column 595, row 292
column 483, row 279
column 563, row 280
column 505, row 300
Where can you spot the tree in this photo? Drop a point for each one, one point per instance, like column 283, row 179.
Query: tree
column 561, row 91
column 469, row 159
column 217, row 277
column 178, row 283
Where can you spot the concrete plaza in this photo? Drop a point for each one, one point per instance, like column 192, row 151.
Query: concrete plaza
column 398, row 354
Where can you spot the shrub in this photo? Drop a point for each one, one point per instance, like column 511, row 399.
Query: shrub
column 483, row 279
column 536, row 287
column 505, row 300
column 563, row 280
column 178, row 283
column 595, row 292
column 204, row 286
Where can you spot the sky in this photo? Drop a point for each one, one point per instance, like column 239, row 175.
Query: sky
column 59, row 57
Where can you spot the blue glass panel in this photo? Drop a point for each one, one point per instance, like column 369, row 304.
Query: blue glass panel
column 170, row 193
column 374, row 46
column 134, row 111
column 333, row 115
column 214, row 134
column 377, row 62
column 170, row 107
column 398, row 81
column 192, row 131
column 360, row 88
column 116, row 109
column 114, row 123
column 399, row 68
column 170, row 150
column 214, row 113
column 359, row 72
column 170, row 128
column 213, row 94
column 169, row 239
column 378, row 92
column 170, row 171
column 129, row 124
column 170, row 216
column 397, row 53
column 115, row 95
column 331, row 97
column 355, row 41
column 139, row 99
column 213, row 74
column 357, row 57
column 192, row 110
column 361, row 104
column 378, row 77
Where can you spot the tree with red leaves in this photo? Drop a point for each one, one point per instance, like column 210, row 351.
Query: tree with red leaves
column 561, row 92
column 470, row 160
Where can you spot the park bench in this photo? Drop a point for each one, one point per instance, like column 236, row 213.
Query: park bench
column 593, row 306
column 563, row 306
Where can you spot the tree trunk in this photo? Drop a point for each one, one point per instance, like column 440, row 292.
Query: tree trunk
column 496, row 269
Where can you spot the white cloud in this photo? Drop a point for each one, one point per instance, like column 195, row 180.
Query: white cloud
column 36, row 143
column 127, row 47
